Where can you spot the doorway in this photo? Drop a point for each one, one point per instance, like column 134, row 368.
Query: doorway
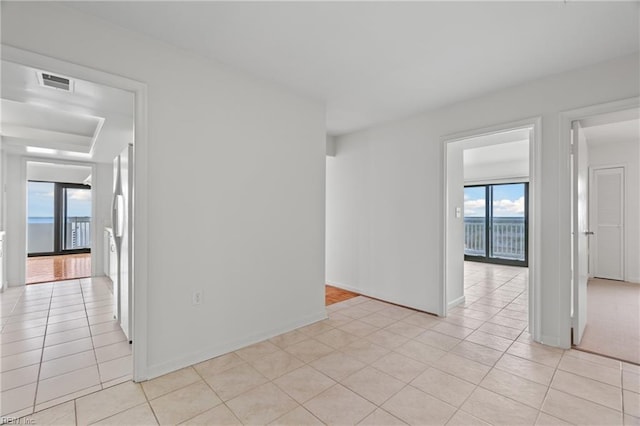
column 606, row 234
column 138, row 91
column 85, row 348
column 59, row 222
column 483, row 161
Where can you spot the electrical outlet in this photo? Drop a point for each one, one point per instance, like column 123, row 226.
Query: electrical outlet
column 196, row 299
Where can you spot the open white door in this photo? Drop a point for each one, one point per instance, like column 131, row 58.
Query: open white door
column 580, row 231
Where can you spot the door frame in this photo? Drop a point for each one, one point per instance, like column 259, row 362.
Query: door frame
column 535, row 171
column 593, row 254
column 140, row 182
column 565, row 118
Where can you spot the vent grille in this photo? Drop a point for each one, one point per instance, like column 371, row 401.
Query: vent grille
column 55, row 81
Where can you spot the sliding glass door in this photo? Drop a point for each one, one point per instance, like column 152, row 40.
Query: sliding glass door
column 76, row 214
column 496, row 222
column 41, row 217
column 59, row 218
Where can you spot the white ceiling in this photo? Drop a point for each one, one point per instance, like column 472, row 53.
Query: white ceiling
column 93, row 123
column 372, row 62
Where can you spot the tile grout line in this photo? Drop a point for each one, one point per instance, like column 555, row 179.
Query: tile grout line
column 71, row 393
column 44, row 340
column 557, row 368
column 622, row 390
column 458, row 409
column 75, row 399
column 479, row 384
column 223, row 402
column 93, row 348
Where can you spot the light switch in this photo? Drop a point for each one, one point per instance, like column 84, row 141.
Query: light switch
column 458, row 212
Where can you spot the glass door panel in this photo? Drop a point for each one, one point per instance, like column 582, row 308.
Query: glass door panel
column 495, row 223
column 40, row 217
column 508, row 221
column 77, row 218
column 475, row 219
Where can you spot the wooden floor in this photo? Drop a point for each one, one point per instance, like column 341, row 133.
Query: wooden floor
column 44, row 269
column 613, row 320
column 334, row 295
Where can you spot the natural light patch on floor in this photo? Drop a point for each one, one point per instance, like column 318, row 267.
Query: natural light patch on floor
column 42, row 269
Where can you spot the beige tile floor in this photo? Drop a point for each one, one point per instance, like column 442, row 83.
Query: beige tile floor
column 373, row 363
column 58, row 342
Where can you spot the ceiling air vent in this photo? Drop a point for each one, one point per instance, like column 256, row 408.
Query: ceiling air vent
column 55, row 81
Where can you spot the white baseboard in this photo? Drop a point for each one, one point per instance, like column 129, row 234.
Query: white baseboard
column 552, row 341
column 13, row 285
column 221, row 349
column 345, row 287
column 382, row 297
column 459, row 301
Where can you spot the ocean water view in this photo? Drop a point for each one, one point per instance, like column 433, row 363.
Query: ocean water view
column 76, row 233
column 39, row 219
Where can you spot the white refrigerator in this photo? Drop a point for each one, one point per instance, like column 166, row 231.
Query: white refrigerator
column 122, row 219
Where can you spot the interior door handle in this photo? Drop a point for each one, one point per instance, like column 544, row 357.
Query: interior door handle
column 589, row 233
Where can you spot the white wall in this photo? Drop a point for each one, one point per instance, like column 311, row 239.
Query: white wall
column 102, row 185
column 455, row 224
column 3, row 171
column 627, row 154
column 236, row 178
column 385, row 191
column 15, row 219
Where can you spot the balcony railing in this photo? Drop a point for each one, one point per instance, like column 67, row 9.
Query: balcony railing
column 508, row 237
column 78, row 233
column 41, row 231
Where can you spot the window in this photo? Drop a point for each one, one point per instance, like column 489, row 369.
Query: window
column 496, row 222
column 59, row 218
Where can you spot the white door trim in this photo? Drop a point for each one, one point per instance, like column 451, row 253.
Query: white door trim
column 593, row 198
column 535, row 171
column 140, row 210
column 564, row 196
column 580, row 214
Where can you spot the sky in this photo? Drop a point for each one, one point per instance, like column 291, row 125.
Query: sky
column 40, row 200
column 508, row 201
